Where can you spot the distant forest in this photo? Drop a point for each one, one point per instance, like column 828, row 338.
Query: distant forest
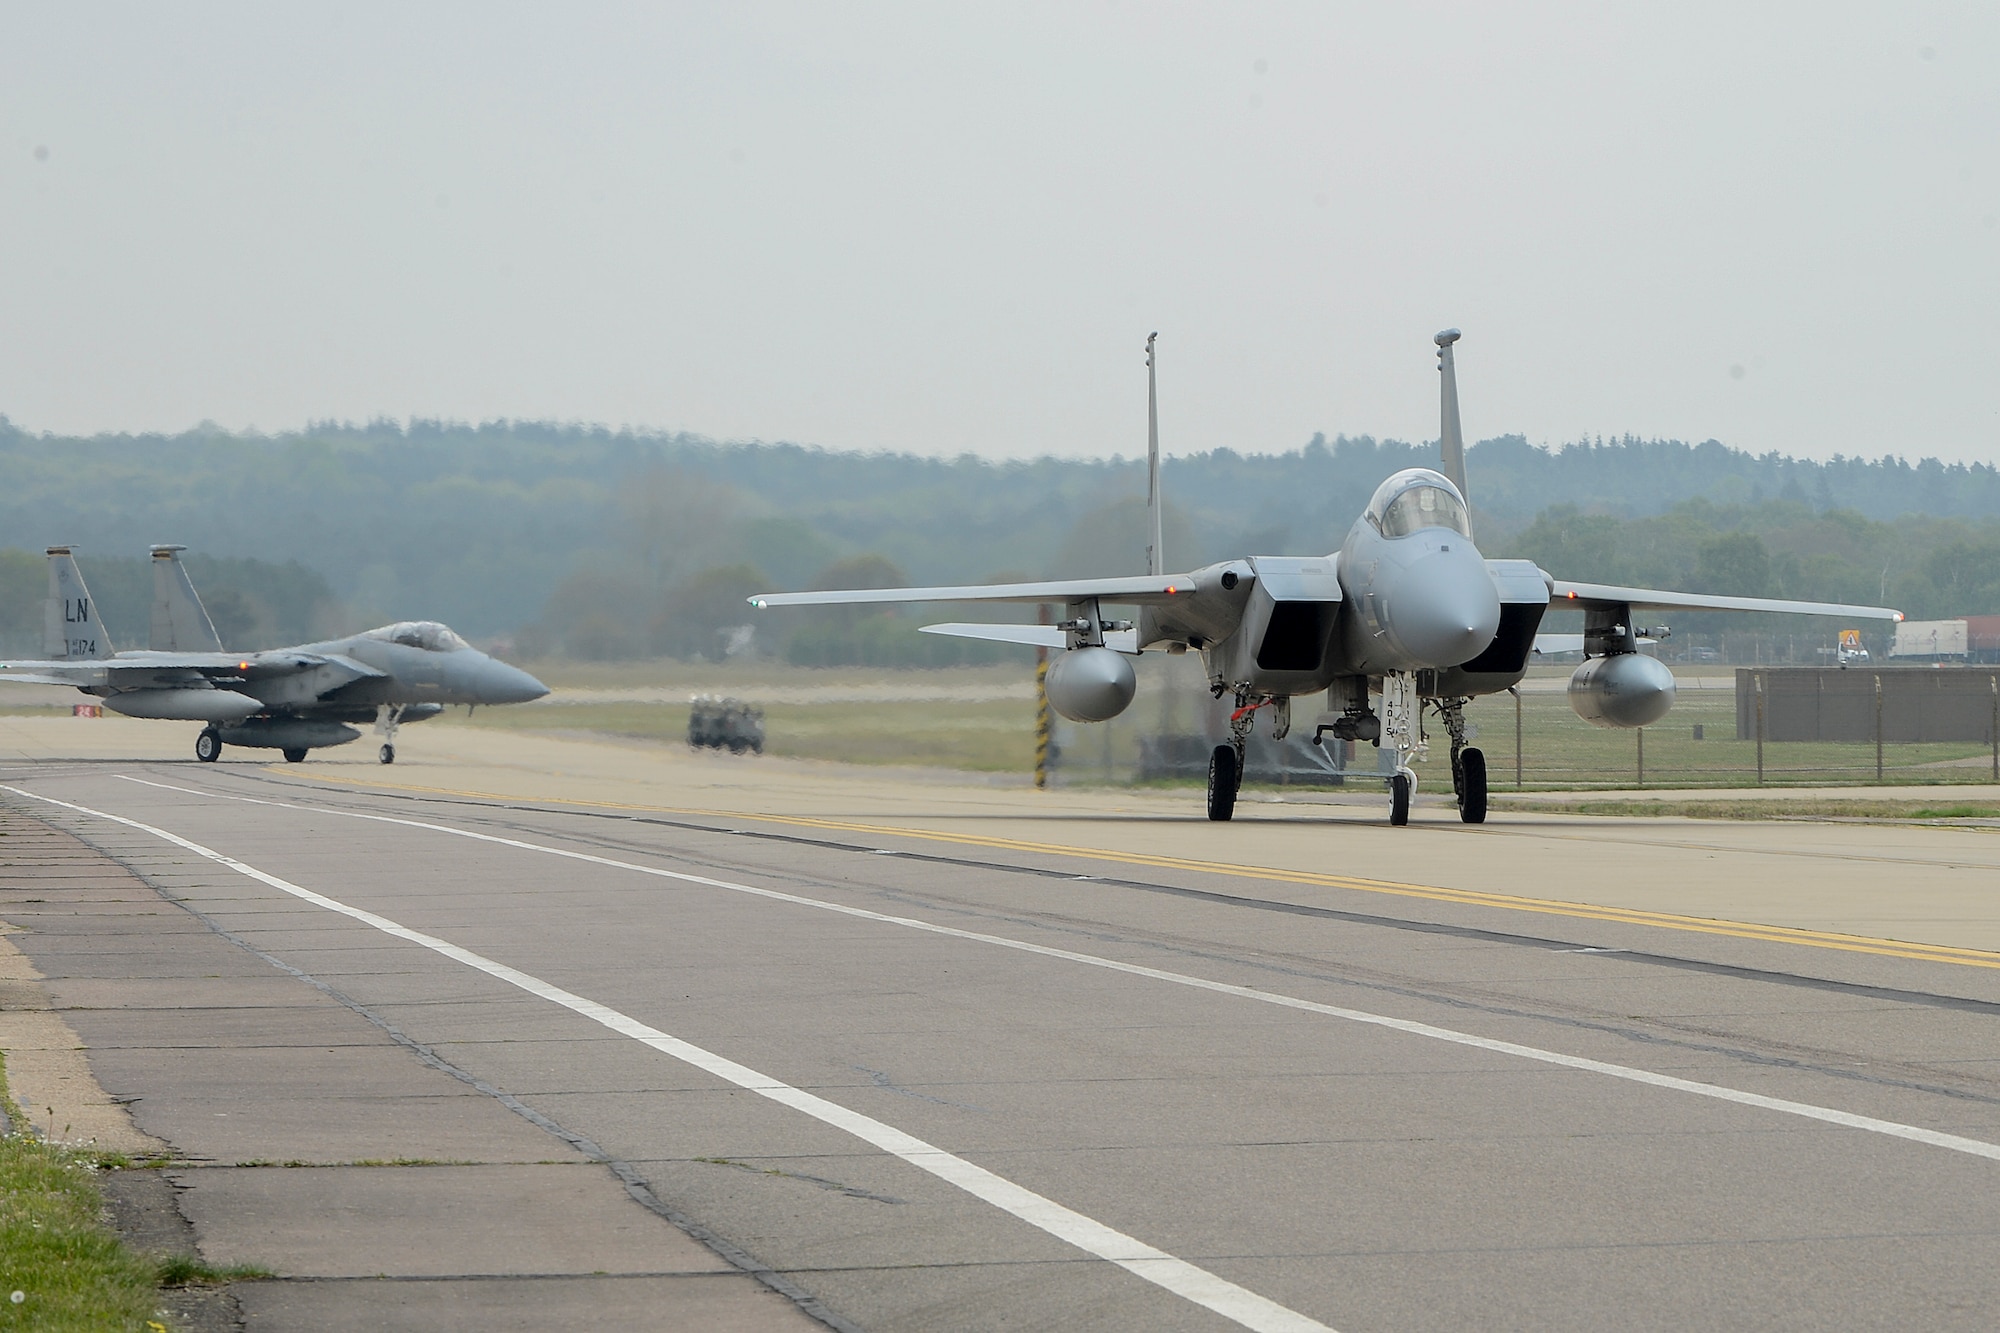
column 600, row 543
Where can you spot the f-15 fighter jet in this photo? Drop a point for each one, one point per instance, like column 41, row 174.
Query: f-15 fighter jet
column 288, row 699
column 1406, row 619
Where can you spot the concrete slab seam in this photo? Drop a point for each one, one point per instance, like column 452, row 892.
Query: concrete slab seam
column 1192, row 1283
column 635, row 1185
column 1806, row 1110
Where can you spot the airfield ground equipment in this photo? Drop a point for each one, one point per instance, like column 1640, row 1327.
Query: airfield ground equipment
column 719, row 723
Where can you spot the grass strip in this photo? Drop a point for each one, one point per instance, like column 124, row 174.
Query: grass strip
column 61, row 1267
column 1771, row 810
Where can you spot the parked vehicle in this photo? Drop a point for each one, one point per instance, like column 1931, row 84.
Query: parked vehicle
column 716, row 722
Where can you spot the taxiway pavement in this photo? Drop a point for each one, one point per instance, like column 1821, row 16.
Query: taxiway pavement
column 919, row 1053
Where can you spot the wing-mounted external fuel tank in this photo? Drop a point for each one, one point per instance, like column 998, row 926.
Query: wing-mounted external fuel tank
column 1091, row 684
column 1626, row 690
column 1618, row 686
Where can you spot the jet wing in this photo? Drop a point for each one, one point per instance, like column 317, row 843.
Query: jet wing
column 1580, row 595
column 226, row 666
column 1035, row 636
column 34, row 674
column 273, row 662
column 1141, row 591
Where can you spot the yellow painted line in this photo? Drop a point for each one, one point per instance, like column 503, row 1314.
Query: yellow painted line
column 1818, row 939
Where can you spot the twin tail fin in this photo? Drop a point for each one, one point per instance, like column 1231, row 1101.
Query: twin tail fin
column 71, row 631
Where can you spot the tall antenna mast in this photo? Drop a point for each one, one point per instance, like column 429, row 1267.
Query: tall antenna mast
column 1451, row 438
column 1156, row 560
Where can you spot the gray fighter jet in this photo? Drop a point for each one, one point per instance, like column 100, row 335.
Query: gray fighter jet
column 1406, row 620
column 288, row 699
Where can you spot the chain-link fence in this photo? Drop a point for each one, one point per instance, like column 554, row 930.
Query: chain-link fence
column 1532, row 739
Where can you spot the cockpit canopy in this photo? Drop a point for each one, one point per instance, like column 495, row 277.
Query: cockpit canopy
column 428, row 635
column 1417, row 498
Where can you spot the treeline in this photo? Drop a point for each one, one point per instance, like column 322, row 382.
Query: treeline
column 254, row 603
column 620, row 543
column 1929, row 568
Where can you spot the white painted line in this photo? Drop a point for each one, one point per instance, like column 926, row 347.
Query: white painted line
column 1827, row 1115
column 1183, row 1279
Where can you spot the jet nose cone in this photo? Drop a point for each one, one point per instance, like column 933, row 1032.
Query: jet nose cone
column 1449, row 614
column 499, row 683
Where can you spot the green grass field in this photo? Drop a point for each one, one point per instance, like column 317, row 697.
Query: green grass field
column 854, row 715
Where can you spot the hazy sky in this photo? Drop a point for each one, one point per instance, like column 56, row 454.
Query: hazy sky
column 949, row 227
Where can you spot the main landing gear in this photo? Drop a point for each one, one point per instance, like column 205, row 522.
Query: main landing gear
column 208, row 745
column 295, row 756
column 1225, row 765
column 1225, row 776
column 387, row 716
column 1468, row 765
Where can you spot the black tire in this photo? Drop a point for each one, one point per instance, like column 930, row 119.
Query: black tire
column 1472, row 791
column 1223, row 780
column 388, row 754
column 297, row 756
column 208, row 745
column 1399, row 799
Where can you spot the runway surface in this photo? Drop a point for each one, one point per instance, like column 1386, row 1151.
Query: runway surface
column 929, row 1056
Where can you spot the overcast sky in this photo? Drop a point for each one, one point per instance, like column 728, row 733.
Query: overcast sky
column 948, row 228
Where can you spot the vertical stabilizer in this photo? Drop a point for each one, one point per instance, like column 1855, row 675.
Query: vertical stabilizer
column 1156, row 558
column 71, row 631
column 1451, row 439
column 180, row 621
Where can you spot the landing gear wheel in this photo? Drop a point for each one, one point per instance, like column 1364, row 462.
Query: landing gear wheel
column 295, row 756
column 1399, row 799
column 208, row 745
column 1223, row 780
column 1472, row 787
column 388, row 754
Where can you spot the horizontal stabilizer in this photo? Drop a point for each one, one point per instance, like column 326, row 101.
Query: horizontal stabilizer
column 1034, row 636
column 1577, row 594
column 1139, row 590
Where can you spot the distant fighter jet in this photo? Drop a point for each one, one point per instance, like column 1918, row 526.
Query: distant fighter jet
column 288, row 699
column 1406, row 618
